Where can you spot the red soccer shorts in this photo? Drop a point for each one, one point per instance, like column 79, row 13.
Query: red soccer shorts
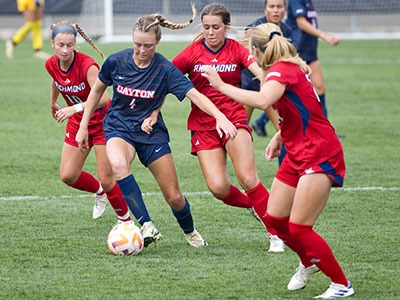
column 334, row 168
column 96, row 134
column 209, row 140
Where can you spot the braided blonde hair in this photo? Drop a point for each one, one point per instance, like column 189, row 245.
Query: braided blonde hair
column 78, row 29
column 153, row 22
column 268, row 38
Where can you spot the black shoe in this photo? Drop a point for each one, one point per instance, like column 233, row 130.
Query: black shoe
column 260, row 131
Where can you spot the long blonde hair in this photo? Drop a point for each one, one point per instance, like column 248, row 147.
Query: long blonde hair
column 268, row 38
column 153, row 22
column 78, row 29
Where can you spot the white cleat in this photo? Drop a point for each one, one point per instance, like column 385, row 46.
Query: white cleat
column 150, row 233
column 99, row 205
column 301, row 277
column 195, row 239
column 9, row 49
column 276, row 245
column 337, row 291
column 41, row 55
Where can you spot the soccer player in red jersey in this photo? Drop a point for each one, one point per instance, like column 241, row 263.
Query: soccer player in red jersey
column 73, row 74
column 228, row 58
column 314, row 161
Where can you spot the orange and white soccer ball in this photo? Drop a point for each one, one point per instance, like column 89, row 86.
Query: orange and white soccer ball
column 125, row 239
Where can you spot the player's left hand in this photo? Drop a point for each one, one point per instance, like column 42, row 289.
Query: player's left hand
column 64, row 113
column 274, row 147
column 213, row 77
column 147, row 125
column 224, row 126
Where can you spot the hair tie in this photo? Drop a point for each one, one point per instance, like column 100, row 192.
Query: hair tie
column 63, row 28
column 273, row 33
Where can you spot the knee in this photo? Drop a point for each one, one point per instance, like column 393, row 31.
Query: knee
column 219, row 189
column 320, row 88
column 248, row 181
column 68, row 178
column 175, row 200
column 107, row 182
column 120, row 168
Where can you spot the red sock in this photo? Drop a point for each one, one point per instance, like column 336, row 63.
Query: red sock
column 319, row 251
column 86, row 182
column 118, row 203
column 259, row 200
column 281, row 225
column 236, row 198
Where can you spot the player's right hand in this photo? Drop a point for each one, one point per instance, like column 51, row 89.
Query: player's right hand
column 82, row 138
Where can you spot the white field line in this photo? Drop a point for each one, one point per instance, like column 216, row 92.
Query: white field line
column 349, row 189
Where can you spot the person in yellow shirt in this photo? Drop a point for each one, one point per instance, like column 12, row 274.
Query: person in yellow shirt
column 32, row 11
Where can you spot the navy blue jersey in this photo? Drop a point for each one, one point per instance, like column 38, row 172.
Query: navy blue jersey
column 306, row 44
column 248, row 81
column 138, row 92
column 286, row 30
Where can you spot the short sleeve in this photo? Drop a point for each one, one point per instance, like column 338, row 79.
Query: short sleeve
column 282, row 72
column 246, row 58
column 181, row 61
column 297, row 8
column 87, row 61
column 106, row 71
column 178, row 84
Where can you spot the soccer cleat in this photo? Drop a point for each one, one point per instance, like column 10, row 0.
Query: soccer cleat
column 254, row 214
column 301, row 277
column 41, row 55
column 260, row 131
column 99, row 205
column 150, row 233
column 195, row 239
column 276, row 245
column 9, row 49
column 337, row 291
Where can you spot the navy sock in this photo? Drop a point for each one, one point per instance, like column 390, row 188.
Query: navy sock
column 262, row 120
column 133, row 197
column 184, row 218
column 322, row 99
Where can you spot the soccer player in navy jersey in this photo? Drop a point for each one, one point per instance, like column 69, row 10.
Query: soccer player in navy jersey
column 275, row 11
column 229, row 58
column 314, row 161
column 302, row 18
column 73, row 74
column 141, row 79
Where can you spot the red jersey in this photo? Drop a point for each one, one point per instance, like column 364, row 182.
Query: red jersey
column 228, row 61
column 307, row 134
column 73, row 85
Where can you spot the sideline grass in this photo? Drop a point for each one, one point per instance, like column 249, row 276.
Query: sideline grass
column 50, row 248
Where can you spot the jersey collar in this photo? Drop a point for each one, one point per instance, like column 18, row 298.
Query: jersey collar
column 213, row 52
column 66, row 72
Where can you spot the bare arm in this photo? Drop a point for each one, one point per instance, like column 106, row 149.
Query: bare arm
column 307, row 27
column 96, row 93
column 53, row 100
column 147, row 124
column 205, row 104
column 270, row 92
column 269, row 111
